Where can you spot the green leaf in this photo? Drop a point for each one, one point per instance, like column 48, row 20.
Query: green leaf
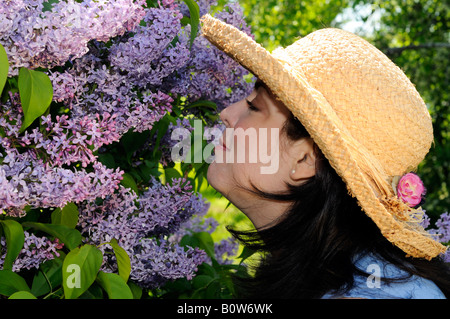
column 67, row 216
column 135, row 289
column 246, row 253
column 206, row 269
column 123, row 260
column 22, row 295
column 70, row 237
column 36, row 93
column 10, row 282
column 203, row 103
column 206, row 243
column 129, row 182
column 171, row 173
column 160, row 128
column 4, row 68
column 47, row 6
column 194, row 12
column 133, row 141
column 201, row 281
column 80, row 269
column 114, row 285
column 213, row 291
column 93, row 292
column 49, row 276
column 107, row 159
column 202, row 240
column 15, row 239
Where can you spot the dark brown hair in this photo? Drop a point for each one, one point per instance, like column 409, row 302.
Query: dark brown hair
column 309, row 250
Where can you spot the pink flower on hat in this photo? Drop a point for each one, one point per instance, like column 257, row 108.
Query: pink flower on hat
column 410, row 189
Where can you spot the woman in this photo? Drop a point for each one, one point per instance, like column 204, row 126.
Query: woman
column 334, row 220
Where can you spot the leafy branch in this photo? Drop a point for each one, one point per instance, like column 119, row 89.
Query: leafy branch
column 430, row 45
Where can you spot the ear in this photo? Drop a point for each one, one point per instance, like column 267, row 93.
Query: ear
column 303, row 160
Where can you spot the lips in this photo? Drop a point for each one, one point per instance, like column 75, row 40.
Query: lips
column 222, row 143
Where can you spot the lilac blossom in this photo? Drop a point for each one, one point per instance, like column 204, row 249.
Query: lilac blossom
column 139, row 224
column 443, row 224
column 65, row 86
column 148, row 57
column 154, row 263
column 36, row 38
column 164, row 207
column 225, row 249
column 204, row 7
column 114, row 94
column 30, row 181
column 110, row 219
column 210, row 74
column 178, row 138
column 441, row 232
column 68, row 141
column 35, row 251
column 169, row 4
column 35, row 176
column 128, row 217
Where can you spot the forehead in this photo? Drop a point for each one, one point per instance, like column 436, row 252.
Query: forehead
column 273, row 97
column 261, row 84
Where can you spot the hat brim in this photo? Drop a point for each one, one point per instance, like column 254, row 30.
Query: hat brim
column 344, row 153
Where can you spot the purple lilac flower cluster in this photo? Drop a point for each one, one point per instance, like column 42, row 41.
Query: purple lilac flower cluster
column 35, row 37
column 35, row 251
column 225, row 249
column 100, row 92
column 148, row 57
column 210, row 74
column 114, row 94
column 441, row 232
column 34, row 176
column 155, row 263
column 443, row 224
column 27, row 181
column 139, row 225
column 166, row 208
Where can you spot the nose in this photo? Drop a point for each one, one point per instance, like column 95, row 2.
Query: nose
column 230, row 115
column 224, row 117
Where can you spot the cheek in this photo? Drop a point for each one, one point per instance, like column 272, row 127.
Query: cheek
column 224, row 176
column 248, row 161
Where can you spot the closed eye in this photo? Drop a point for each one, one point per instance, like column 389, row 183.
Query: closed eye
column 251, row 106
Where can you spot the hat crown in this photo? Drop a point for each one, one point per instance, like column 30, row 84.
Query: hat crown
column 372, row 97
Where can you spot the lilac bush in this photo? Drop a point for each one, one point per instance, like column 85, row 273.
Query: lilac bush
column 36, row 250
column 92, row 171
column 441, row 231
column 210, row 71
column 37, row 36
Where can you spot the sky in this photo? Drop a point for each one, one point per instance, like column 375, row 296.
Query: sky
column 350, row 19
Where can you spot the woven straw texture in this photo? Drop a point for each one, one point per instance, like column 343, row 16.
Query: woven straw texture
column 359, row 107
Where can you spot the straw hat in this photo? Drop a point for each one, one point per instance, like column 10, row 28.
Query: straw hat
column 361, row 110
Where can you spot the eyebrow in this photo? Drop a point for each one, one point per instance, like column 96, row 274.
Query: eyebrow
column 259, row 83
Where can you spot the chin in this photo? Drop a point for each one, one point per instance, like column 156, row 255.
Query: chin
column 212, row 176
column 218, row 176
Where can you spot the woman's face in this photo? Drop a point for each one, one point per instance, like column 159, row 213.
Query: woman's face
column 254, row 151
